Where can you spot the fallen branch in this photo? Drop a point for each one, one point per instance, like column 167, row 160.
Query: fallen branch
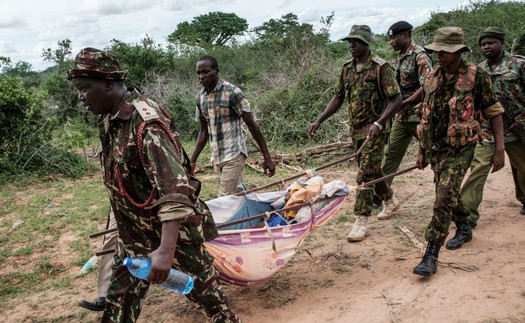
column 313, row 152
column 392, row 316
column 469, row 268
column 307, row 172
column 377, row 180
column 412, row 237
column 420, row 246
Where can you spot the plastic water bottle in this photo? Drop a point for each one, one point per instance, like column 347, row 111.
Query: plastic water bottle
column 177, row 281
column 88, row 265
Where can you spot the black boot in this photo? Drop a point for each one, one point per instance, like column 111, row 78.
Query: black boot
column 98, row 305
column 463, row 234
column 428, row 265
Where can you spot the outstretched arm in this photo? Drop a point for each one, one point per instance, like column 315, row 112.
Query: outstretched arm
column 335, row 103
column 394, row 104
column 202, row 139
column 498, row 158
column 253, row 127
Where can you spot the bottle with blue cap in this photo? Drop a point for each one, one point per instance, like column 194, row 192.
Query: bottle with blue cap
column 177, row 281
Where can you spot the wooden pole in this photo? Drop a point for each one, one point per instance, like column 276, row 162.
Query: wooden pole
column 267, row 214
column 104, row 252
column 101, row 233
column 340, row 160
column 377, row 180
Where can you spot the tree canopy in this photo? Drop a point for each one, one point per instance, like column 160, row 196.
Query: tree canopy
column 208, row 30
column 474, row 17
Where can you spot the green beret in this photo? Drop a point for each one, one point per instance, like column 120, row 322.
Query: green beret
column 494, row 32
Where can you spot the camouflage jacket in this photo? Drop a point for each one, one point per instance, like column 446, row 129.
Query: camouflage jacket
column 367, row 91
column 412, row 68
column 145, row 169
column 451, row 108
column 508, row 79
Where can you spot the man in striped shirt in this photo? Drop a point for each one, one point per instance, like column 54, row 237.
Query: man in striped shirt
column 221, row 106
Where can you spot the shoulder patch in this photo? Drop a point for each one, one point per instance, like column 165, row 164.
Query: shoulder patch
column 146, row 111
column 378, row 60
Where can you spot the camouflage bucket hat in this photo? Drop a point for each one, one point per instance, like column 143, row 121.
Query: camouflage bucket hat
column 361, row 32
column 448, row 39
column 95, row 63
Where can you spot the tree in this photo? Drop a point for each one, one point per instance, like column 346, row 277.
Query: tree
column 57, row 86
column 59, row 55
column 282, row 28
column 142, row 59
column 209, row 30
column 26, row 127
column 474, row 18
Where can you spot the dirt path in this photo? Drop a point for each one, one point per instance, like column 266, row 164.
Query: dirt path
column 371, row 281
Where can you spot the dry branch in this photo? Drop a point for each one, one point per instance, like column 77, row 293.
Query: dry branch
column 411, row 236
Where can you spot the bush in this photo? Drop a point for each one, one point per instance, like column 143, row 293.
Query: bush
column 26, row 127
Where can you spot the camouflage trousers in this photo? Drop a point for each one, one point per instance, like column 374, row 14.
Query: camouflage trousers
column 369, row 162
column 127, row 293
column 450, row 167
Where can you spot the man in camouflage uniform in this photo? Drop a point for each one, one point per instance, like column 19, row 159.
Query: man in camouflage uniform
column 155, row 201
column 368, row 84
column 455, row 96
column 508, row 77
column 413, row 64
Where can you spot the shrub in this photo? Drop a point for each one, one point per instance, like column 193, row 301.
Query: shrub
column 26, row 126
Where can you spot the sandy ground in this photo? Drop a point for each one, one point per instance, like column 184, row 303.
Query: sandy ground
column 332, row 280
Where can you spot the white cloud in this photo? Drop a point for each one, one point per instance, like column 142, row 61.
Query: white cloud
column 7, row 48
column 10, row 19
column 310, row 15
column 28, row 28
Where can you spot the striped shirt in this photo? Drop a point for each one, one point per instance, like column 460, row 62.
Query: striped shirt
column 222, row 109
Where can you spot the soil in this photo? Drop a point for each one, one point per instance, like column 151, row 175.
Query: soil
column 332, row 280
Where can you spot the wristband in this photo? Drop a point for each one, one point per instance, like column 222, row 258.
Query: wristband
column 377, row 124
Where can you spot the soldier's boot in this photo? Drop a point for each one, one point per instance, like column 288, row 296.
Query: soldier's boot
column 428, row 265
column 463, row 234
column 389, row 207
column 359, row 230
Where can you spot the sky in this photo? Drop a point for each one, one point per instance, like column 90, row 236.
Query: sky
column 29, row 26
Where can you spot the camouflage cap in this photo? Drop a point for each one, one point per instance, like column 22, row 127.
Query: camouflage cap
column 494, row 32
column 95, row 63
column 448, row 39
column 361, row 32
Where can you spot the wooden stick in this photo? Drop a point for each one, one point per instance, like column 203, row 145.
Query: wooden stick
column 101, row 233
column 267, row 214
column 104, row 252
column 412, row 237
column 354, row 155
column 377, row 180
column 94, row 235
